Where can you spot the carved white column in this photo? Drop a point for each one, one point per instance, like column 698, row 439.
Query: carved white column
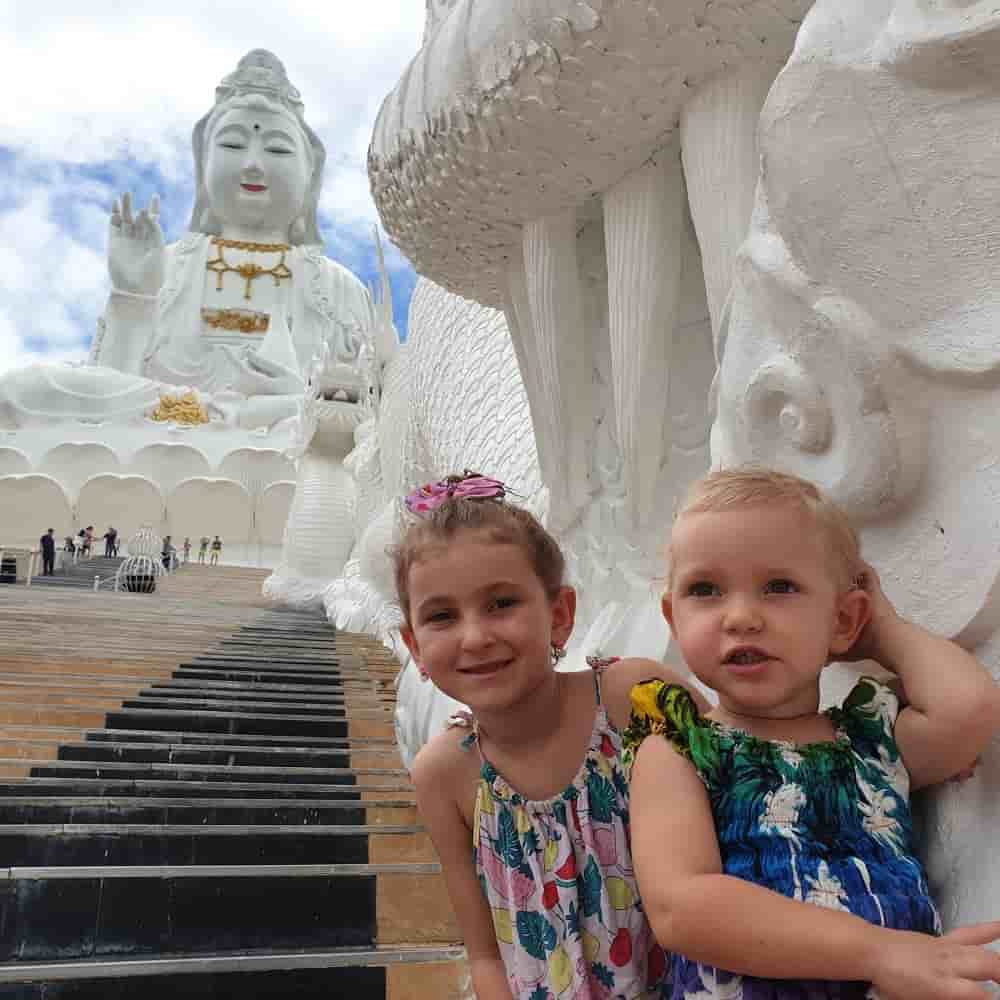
column 721, row 164
column 563, row 348
column 517, row 311
column 643, row 231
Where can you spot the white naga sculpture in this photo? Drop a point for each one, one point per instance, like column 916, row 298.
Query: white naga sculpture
column 199, row 366
column 592, row 171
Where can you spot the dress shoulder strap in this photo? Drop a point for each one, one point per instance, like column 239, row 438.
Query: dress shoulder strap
column 598, row 665
column 464, row 719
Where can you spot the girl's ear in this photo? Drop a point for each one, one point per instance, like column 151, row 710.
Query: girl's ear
column 852, row 614
column 563, row 615
column 667, row 608
column 411, row 641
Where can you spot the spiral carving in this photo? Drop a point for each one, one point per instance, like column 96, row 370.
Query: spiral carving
column 786, row 406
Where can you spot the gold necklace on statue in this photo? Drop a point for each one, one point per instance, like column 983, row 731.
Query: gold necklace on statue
column 248, row 270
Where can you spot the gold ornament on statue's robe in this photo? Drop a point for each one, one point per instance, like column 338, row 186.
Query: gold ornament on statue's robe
column 236, row 320
column 180, row 409
column 248, row 270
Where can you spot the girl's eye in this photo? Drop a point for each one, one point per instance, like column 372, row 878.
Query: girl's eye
column 437, row 617
column 781, row 586
column 702, row 588
column 502, row 603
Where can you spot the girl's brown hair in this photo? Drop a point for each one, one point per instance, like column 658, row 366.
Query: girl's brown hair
column 501, row 523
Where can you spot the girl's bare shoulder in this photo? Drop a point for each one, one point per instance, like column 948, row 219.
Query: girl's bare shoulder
column 448, row 761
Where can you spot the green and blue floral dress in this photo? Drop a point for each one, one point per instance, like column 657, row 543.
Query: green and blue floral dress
column 559, row 881
column 825, row 823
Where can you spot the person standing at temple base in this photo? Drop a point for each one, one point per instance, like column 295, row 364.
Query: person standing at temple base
column 216, row 550
column 203, row 548
column 48, row 545
column 187, row 550
column 110, row 542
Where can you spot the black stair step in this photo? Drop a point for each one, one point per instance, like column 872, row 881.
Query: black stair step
column 225, row 756
column 227, row 722
column 164, row 736
column 188, row 844
column 291, row 702
column 47, row 918
column 196, row 772
column 326, row 678
column 185, row 812
column 185, row 683
column 112, row 782
column 224, row 704
column 312, row 974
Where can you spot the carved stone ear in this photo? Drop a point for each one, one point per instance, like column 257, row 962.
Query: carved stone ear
column 297, row 231
column 209, row 223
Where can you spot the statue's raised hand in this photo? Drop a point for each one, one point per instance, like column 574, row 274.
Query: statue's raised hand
column 135, row 247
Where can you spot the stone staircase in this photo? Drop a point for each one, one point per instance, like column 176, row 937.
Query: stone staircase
column 79, row 574
column 200, row 793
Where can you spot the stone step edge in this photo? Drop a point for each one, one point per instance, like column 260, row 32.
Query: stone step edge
column 195, row 802
column 241, row 961
column 52, row 872
column 233, row 769
column 200, row 830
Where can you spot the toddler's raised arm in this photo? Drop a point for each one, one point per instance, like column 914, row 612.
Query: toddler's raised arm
column 952, row 705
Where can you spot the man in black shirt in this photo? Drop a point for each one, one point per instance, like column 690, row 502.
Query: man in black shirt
column 48, row 544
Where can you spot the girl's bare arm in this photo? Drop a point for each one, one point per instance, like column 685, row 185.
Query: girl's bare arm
column 439, row 780
column 618, row 680
column 740, row 927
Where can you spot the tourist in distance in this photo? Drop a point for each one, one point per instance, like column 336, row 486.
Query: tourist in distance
column 546, row 900
column 110, row 542
column 216, row 550
column 48, row 546
column 187, row 550
column 168, row 554
column 769, row 837
column 203, row 548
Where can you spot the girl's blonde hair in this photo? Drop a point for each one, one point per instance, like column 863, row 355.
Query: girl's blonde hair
column 500, row 522
column 736, row 489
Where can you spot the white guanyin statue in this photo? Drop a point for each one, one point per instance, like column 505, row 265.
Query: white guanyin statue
column 201, row 359
column 239, row 306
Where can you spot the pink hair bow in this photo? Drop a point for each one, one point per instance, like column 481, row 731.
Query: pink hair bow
column 469, row 486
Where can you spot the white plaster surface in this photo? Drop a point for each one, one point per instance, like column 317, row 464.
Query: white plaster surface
column 31, row 504
column 127, row 502
column 210, row 506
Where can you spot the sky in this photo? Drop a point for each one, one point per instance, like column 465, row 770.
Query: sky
column 100, row 98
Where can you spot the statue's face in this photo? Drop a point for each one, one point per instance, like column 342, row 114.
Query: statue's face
column 256, row 169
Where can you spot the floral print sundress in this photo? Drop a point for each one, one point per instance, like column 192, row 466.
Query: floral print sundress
column 827, row 823
column 559, row 881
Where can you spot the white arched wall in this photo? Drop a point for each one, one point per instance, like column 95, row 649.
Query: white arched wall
column 73, row 463
column 127, row 502
column 270, row 519
column 212, row 506
column 14, row 462
column 168, row 464
column 256, row 468
column 31, row 504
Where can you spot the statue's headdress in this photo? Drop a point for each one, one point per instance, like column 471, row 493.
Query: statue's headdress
column 261, row 72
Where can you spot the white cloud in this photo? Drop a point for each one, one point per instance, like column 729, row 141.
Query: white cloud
column 98, row 99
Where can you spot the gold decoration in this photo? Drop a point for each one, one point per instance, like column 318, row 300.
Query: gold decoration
column 180, row 409
column 237, row 320
column 247, row 270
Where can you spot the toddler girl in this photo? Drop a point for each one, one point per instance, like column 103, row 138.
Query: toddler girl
column 526, row 802
column 744, row 815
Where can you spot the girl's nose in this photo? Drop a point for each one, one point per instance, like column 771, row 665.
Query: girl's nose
column 742, row 615
column 476, row 634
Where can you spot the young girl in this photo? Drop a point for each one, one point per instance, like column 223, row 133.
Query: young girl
column 744, row 815
column 526, row 805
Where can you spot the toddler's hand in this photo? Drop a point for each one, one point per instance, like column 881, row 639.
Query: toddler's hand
column 946, row 968
column 883, row 617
